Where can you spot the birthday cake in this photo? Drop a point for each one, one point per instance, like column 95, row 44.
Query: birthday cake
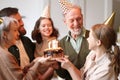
column 53, row 50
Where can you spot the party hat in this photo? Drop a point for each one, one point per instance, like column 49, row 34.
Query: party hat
column 110, row 20
column 65, row 5
column 46, row 12
column 1, row 21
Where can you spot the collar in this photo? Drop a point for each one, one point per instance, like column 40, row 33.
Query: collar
column 103, row 59
column 82, row 34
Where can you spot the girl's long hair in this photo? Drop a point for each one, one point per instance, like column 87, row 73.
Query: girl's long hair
column 108, row 37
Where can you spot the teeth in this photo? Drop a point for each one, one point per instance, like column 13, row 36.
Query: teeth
column 47, row 31
column 76, row 29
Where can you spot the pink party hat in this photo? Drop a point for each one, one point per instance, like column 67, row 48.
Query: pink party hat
column 65, row 5
column 46, row 12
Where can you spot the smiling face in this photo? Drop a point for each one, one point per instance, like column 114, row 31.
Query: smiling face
column 74, row 21
column 21, row 24
column 92, row 40
column 13, row 34
column 45, row 28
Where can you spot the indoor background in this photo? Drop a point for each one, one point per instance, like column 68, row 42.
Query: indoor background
column 94, row 11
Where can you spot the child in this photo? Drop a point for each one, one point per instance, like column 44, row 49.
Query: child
column 103, row 62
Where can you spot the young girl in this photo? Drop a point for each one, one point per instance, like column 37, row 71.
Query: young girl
column 103, row 62
column 44, row 31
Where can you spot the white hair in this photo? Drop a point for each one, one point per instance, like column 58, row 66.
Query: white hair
column 5, row 24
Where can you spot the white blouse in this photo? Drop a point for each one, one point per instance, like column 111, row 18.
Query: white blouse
column 99, row 69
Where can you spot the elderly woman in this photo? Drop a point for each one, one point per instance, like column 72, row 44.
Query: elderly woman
column 9, row 68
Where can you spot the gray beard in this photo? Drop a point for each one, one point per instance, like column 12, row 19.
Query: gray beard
column 75, row 33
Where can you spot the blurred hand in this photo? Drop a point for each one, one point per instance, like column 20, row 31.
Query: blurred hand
column 55, row 65
column 42, row 60
column 65, row 63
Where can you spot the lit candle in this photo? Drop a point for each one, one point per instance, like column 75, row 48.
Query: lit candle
column 54, row 44
column 49, row 44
